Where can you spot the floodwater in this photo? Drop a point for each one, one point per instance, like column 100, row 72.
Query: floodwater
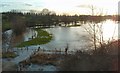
column 76, row 37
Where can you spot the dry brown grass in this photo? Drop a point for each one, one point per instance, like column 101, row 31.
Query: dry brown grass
column 44, row 59
column 105, row 58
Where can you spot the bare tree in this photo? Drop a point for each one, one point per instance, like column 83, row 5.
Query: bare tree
column 45, row 11
column 94, row 29
column 93, row 26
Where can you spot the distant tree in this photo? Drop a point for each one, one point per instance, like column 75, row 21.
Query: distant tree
column 75, row 19
column 45, row 11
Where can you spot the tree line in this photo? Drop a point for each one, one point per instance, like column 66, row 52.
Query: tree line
column 18, row 21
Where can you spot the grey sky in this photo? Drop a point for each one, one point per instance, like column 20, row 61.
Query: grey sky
column 62, row 6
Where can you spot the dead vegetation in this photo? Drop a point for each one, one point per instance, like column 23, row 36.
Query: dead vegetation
column 105, row 58
column 102, row 59
column 44, row 59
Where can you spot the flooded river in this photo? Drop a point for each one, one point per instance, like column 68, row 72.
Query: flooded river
column 76, row 37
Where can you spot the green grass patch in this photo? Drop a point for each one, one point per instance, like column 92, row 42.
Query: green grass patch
column 43, row 37
column 8, row 55
column 6, row 26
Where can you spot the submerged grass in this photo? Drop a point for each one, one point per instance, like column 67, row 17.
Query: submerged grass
column 43, row 37
column 8, row 55
column 73, row 25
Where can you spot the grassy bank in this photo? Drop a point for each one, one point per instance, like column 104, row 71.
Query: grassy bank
column 43, row 37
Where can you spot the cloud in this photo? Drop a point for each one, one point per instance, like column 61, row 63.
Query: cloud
column 87, row 6
column 26, row 4
column 4, row 5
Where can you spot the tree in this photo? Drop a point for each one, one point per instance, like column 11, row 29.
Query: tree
column 94, row 29
column 45, row 11
column 18, row 24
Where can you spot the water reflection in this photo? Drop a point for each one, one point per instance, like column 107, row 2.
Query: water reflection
column 110, row 30
column 107, row 30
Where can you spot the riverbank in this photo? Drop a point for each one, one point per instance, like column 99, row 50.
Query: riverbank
column 43, row 37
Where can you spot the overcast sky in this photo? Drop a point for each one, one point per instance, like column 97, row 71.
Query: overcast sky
column 63, row 6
